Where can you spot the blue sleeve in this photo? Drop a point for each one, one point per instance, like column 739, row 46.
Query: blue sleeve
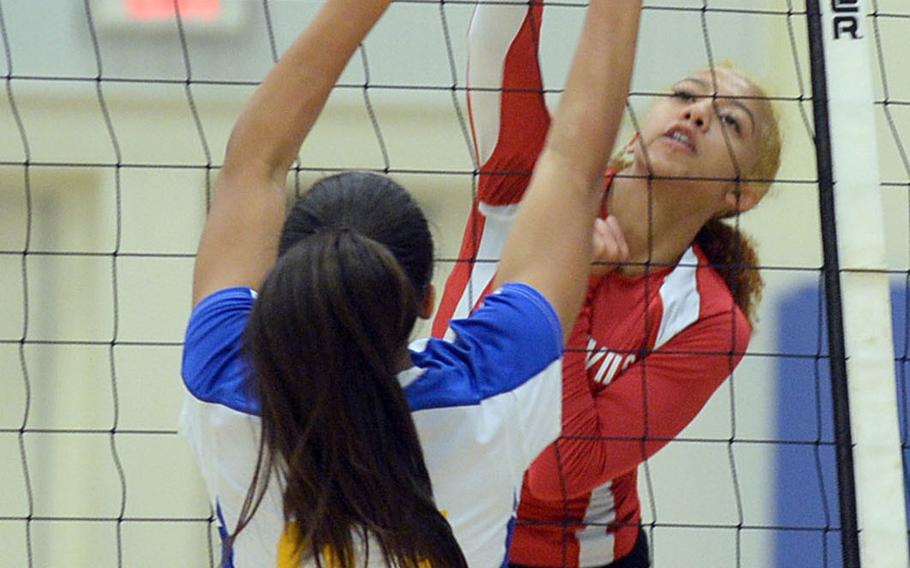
column 213, row 369
column 512, row 338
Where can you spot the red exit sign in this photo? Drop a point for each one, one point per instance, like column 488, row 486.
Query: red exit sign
column 202, row 18
column 160, row 10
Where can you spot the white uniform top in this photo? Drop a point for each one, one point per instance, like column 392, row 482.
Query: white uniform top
column 485, row 404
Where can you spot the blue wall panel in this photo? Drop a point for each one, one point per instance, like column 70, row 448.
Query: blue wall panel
column 806, row 479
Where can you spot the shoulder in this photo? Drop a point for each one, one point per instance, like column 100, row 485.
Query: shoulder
column 229, row 303
column 694, row 295
column 512, row 339
column 213, row 369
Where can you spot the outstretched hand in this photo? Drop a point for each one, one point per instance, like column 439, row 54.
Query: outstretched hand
column 609, row 245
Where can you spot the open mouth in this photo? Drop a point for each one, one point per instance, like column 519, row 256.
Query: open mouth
column 681, row 138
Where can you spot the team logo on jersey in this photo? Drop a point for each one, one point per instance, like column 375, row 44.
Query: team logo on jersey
column 610, row 363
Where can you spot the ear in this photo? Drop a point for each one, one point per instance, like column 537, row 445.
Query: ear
column 429, row 303
column 740, row 199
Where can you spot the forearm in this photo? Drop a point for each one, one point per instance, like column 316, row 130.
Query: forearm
column 610, row 432
column 613, row 434
column 509, row 122
column 583, row 133
column 268, row 134
column 240, row 242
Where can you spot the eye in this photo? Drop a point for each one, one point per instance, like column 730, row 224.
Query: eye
column 683, row 95
column 730, row 120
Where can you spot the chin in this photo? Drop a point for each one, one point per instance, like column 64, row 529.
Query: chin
column 666, row 169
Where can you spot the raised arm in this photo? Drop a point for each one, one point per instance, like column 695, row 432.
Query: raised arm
column 240, row 242
column 509, row 123
column 550, row 245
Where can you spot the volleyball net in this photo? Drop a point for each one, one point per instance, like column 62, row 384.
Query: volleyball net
column 115, row 114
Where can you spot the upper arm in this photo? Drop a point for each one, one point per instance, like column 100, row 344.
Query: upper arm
column 240, row 242
column 612, row 431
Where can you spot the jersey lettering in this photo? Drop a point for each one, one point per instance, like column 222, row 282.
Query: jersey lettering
column 611, row 363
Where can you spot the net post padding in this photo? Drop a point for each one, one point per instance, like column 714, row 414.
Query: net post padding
column 864, row 284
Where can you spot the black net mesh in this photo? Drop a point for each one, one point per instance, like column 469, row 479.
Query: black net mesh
column 113, row 133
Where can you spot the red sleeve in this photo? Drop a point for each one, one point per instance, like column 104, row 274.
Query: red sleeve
column 613, row 431
column 509, row 123
column 523, row 119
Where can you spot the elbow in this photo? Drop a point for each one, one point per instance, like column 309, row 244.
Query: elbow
column 249, row 157
column 551, row 478
column 544, row 479
column 559, row 486
column 546, row 486
column 575, row 470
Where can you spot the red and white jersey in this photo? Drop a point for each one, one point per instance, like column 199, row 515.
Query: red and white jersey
column 653, row 349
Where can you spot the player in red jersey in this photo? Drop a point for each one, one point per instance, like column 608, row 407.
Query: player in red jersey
column 657, row 336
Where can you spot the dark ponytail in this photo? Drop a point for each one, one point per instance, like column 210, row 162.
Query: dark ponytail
column 373, row 205
column 324, row 341
column 732, row 254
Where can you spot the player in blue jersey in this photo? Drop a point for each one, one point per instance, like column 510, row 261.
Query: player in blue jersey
column 371, row 453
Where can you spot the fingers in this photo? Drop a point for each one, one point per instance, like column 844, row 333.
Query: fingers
column 609, row 245
column 622, row 253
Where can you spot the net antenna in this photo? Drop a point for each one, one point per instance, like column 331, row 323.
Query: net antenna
column 858, row 300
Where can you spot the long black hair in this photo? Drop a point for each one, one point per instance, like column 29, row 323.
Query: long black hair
column 325, row 340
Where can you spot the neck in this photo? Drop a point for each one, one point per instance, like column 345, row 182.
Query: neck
column 403, row 362
column 672, row 228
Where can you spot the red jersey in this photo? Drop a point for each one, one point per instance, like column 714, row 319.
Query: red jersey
column 653, row 349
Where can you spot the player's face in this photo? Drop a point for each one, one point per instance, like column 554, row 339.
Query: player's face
column 704, row 130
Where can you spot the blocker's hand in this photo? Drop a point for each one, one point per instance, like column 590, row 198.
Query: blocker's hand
column 610, row 248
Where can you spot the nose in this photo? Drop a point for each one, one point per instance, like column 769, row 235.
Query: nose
column 699, row 112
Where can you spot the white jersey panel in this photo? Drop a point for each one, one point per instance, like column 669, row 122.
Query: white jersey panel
column 489, row 41
column 226, row 443
column 595, row 545
column 497, row 224
column 680, row 299
column 477, row 489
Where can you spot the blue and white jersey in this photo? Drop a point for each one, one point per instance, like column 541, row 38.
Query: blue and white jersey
column 485, row 404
